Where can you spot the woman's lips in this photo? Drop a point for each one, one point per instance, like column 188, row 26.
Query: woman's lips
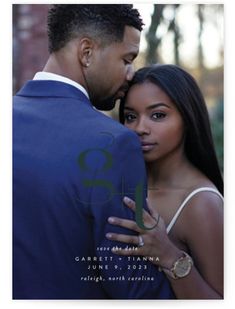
column 147, row 146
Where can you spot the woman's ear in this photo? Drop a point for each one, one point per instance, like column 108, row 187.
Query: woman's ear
column 86, row 48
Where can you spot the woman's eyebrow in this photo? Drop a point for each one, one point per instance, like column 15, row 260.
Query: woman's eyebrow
column 149, row 107
column 158, row 105
column 128, row 108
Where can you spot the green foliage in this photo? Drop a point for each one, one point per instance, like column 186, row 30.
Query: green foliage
column 217, row 125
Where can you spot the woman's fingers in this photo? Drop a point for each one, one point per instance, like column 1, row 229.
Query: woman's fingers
column 132, row 241
column 127, row 239
column 129, row 224
column 150, row 208
column 131, row 204
column 149, row 221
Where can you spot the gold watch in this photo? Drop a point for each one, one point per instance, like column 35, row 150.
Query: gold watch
column 181, row 267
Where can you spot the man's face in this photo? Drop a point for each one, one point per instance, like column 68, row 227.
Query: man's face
column 111, row 69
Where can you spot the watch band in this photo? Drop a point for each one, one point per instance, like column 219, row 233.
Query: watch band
column 181, row 267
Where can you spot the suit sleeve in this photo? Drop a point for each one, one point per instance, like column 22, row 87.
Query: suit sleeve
column 121, row 173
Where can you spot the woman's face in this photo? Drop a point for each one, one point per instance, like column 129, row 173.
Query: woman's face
column 154, row 117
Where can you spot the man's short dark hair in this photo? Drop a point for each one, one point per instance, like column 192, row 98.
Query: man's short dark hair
column 105, row 22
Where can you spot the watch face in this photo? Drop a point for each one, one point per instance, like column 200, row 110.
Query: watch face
column 183, row 267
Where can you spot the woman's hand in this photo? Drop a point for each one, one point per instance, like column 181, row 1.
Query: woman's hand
column 153, row 243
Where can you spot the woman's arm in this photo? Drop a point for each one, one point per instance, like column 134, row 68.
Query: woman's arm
column 201, row 225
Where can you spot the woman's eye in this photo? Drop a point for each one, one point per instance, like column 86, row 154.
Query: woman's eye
column 129, row 117
column 158, row 115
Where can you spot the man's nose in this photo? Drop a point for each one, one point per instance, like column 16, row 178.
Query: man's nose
column 130, row 72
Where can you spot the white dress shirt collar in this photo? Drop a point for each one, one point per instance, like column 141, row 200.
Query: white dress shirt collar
column 60, row 78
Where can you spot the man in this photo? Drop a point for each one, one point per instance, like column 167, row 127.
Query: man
column 73, row 165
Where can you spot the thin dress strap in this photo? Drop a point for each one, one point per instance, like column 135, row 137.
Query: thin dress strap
column 171, row 224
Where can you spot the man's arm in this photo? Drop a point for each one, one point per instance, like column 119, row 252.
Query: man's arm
column 122, row 173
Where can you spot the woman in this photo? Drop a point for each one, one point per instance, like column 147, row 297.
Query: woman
column 165, row 107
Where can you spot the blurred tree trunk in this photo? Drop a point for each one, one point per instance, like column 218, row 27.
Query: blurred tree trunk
column 200, row 32
column 201, row 66
column 177, row 36
column 16, row 52
column 153, row 41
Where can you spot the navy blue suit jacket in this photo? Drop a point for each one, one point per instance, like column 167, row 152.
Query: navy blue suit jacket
column 72, row 167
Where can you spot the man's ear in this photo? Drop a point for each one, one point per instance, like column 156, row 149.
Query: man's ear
column 86, row 49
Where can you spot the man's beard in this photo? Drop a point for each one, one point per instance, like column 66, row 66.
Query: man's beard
column 106, row 104
column 109, row 103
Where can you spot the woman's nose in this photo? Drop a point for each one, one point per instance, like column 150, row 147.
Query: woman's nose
column 142, row 128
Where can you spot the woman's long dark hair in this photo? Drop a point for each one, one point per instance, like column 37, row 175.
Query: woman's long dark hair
column 183, row 90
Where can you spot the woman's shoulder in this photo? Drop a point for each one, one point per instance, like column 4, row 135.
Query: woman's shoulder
column 201, row 194
column 203, row 200
column 204, row 192
column 199, row 199
column 204, row 211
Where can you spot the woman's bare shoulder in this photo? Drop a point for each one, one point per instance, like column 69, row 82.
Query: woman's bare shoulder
column 202, row 215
